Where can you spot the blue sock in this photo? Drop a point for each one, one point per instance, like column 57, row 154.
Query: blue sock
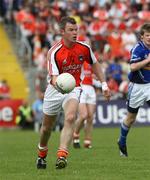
column 123, row 134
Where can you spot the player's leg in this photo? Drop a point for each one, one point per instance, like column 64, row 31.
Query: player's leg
column 125, row 127
column 51, row 107
column 91, row 107
column 136, row 98
column 45, row 132
column 82, row 116
column 70, row 112
column 89, row 126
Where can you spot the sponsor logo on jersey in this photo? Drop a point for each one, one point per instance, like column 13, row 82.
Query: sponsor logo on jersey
column 72, row 67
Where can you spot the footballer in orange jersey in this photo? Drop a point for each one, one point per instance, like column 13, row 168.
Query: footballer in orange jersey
column 67, row 55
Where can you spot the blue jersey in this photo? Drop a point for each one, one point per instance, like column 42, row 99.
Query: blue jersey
column 139, row 53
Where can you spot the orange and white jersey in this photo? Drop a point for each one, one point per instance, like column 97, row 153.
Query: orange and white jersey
column 63, row 59
column 86, row 75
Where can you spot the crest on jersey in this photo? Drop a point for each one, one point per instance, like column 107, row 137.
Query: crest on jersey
column 81, row 57
column 64, row 61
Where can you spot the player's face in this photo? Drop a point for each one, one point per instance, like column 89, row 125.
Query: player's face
column 146, row 39
column 70, row 32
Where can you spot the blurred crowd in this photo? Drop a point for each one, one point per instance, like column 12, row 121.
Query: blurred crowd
column 110, row 26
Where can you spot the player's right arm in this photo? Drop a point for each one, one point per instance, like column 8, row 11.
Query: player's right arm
column 52, row 67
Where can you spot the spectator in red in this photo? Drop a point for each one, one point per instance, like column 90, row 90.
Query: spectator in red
column 113, row 85
column 144, row 14
column 27, row 21
column 115, row 42
column 4, row 90
column 82, row 35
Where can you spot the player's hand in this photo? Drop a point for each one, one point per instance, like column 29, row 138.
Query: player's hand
column 107, row 94
column 106, row 91
column 58, row 89
column 53, row 82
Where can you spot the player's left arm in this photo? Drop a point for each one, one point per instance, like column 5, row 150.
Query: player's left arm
column 100, row 75
column 98, row 71
column 141, row 64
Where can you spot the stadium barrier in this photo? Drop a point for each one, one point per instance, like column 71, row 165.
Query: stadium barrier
column 108, row 114
column 23, row 46
column 8, row 112
column 112, row 113
column 24, row 51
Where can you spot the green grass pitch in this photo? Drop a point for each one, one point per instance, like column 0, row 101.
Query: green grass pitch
column 18, row 151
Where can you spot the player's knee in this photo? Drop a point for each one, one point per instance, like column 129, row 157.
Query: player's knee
column 90, row 117
column 83, row 115
column 45, row 130
column 70, row 118
column 131, row 119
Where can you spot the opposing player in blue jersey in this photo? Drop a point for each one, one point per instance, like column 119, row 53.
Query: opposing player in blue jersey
column 139, row 86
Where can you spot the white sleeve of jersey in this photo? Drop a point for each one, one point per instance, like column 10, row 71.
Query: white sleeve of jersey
column 52, row 66
column 94, row 60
